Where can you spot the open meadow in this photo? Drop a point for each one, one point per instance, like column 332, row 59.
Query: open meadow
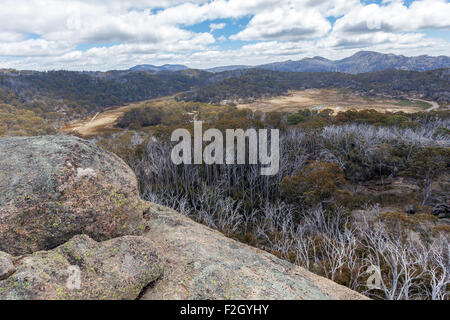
column 337, row 100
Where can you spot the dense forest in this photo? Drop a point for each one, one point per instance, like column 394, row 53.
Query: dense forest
column 90, row 91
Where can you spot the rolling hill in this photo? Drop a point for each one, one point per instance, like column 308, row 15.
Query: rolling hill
column 361, row 62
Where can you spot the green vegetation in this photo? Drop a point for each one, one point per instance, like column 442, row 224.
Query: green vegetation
column 166, row 112
column 313, row 184
column 21, row 122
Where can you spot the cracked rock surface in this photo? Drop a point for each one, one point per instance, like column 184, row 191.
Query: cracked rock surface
column 84, row 269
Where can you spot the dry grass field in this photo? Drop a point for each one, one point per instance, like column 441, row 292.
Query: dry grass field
column 101, row 122
column 336, row 100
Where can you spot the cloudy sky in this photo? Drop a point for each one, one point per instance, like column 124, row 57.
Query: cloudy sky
column 118, row 34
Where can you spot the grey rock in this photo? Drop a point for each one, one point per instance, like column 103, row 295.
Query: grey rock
column 6, row 266
column 410, row 209
column 84, row 269
column 442, row 211
column 55, row 187
column 203, row 264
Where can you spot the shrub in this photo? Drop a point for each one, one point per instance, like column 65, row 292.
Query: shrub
column 313, row 184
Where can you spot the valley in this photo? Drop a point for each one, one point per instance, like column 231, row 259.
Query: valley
column 337, row 100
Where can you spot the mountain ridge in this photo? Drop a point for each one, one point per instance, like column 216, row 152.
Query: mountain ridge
column 153, row 68
column 360, row 62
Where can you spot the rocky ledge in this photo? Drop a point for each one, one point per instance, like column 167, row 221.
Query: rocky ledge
column 201, row 263
column 72, row 227
column 84, row 269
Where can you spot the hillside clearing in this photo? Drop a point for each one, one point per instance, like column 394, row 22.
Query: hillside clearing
column 101, row 122
column 337, row 100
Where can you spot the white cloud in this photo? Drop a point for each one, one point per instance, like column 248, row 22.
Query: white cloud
column 423, row 14
column 285, row 24
column 125, row 32
column 33, row 48
column 11, row 36
column 217, row 26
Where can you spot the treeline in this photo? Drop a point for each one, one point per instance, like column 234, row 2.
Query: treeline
column 250, row 84
column 86, row 92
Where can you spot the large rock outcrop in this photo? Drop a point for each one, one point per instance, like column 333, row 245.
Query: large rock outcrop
column 55, row 187
column 201, row 263
column 85, row 269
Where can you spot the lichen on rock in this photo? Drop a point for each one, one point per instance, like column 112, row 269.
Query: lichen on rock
column 6, row 266
column 84, row 269
column 55, row 187
column 203, row 264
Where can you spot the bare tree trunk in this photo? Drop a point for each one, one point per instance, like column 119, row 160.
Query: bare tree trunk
column 427, row 189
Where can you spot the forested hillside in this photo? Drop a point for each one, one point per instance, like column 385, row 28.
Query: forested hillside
column 88, row 91
column 249, row 84
column 34, row 103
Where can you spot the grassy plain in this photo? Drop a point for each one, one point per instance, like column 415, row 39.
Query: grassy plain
column 335, row 99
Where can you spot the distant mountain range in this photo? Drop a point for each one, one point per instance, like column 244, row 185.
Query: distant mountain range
column 156, row 69
column 229, row 68
column 361, row 62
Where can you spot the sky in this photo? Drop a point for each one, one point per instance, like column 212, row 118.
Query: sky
column 118, row 34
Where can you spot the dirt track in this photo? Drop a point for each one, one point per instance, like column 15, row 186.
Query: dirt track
column 434, row 105
column 100, row 122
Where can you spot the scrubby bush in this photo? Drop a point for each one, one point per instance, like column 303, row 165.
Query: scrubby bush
column 313, row 184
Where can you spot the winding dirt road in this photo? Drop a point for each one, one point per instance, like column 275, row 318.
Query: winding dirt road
column 434, row 105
